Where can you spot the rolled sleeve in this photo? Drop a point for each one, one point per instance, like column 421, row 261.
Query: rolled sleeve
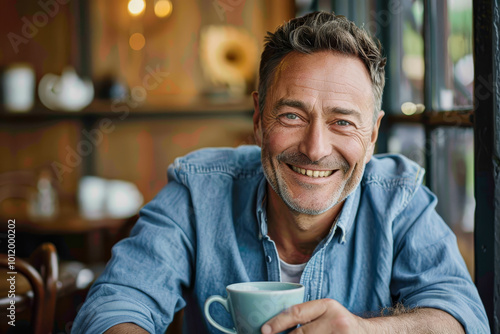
column 429, row 270
column 104, row 312
column 144, row 281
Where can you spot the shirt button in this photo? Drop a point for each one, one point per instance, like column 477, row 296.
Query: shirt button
column 268, row 259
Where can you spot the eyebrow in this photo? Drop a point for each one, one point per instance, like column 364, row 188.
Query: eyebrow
column 289, row 103
column 347, row 112
column 302, row 106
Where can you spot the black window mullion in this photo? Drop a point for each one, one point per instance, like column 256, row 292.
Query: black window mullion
column 429, row 81
column 487, row 155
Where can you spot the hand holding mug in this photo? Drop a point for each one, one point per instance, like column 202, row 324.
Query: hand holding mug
column 252, row 304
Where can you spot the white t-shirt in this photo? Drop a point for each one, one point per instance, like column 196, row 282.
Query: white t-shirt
column 291, row 272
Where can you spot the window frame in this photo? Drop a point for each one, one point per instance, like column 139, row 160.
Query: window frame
column 486, row 15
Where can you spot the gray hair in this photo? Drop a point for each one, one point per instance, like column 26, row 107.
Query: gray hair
column 322, row 31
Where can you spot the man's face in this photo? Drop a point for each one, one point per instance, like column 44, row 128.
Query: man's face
column 317, row 130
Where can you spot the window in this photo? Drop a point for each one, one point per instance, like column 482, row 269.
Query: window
column 443, row 115
column 429, row 104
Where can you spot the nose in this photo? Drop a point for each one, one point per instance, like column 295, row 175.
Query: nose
column 316, row 141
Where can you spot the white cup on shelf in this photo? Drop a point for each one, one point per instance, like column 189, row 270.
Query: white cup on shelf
column 123, row 199
column 92, row 196
column 18, row 82
column 99, row 198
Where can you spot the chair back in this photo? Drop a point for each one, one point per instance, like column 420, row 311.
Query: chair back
column 41, row 271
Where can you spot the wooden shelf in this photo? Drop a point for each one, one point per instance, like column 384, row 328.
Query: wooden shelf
column 155, row 107
column 460, row 118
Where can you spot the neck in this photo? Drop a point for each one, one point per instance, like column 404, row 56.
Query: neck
column 296, row 235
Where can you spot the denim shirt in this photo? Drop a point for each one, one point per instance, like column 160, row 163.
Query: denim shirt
column 208, row 228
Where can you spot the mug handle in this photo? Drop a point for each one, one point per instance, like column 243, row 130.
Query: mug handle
column 223, row 301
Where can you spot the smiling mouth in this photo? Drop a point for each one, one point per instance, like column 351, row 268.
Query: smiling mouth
column 311, row 173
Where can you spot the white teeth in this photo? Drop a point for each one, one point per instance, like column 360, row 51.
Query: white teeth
column 312, row 173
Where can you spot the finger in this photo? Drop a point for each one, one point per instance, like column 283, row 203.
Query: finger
column 297, row 314
column 316, row 327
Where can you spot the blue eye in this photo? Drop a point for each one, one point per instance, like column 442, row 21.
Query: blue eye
column 343, row 123
column 291, row 119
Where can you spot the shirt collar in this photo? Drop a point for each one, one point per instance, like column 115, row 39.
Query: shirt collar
column 345, row 219
column 261, row 207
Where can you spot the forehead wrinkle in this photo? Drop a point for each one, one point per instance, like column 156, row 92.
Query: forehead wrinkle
column 347, row 98
column 308, row 94
column 326, row 82
column 341, row 86
column 340, row 95
column 340, row 92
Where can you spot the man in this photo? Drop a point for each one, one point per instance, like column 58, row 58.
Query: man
column 313, row 205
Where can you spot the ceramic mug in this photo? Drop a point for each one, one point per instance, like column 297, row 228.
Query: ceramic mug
column 252, row 304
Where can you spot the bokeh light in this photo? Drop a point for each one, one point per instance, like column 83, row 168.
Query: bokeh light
column 163, row 8
column 136, row 7
column 408, row 108
column 137, row 41
column 420, row 108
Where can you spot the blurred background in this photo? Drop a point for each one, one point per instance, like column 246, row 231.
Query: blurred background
column 98, row 97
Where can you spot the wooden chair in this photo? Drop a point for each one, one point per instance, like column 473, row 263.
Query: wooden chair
column 41, row 271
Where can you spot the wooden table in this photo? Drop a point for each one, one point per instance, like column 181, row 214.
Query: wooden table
column 87, row 240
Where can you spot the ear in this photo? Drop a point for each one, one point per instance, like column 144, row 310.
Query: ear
column 374, row 136
column 257, row 124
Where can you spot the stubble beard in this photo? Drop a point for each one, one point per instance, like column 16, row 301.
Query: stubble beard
column 278, row 184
